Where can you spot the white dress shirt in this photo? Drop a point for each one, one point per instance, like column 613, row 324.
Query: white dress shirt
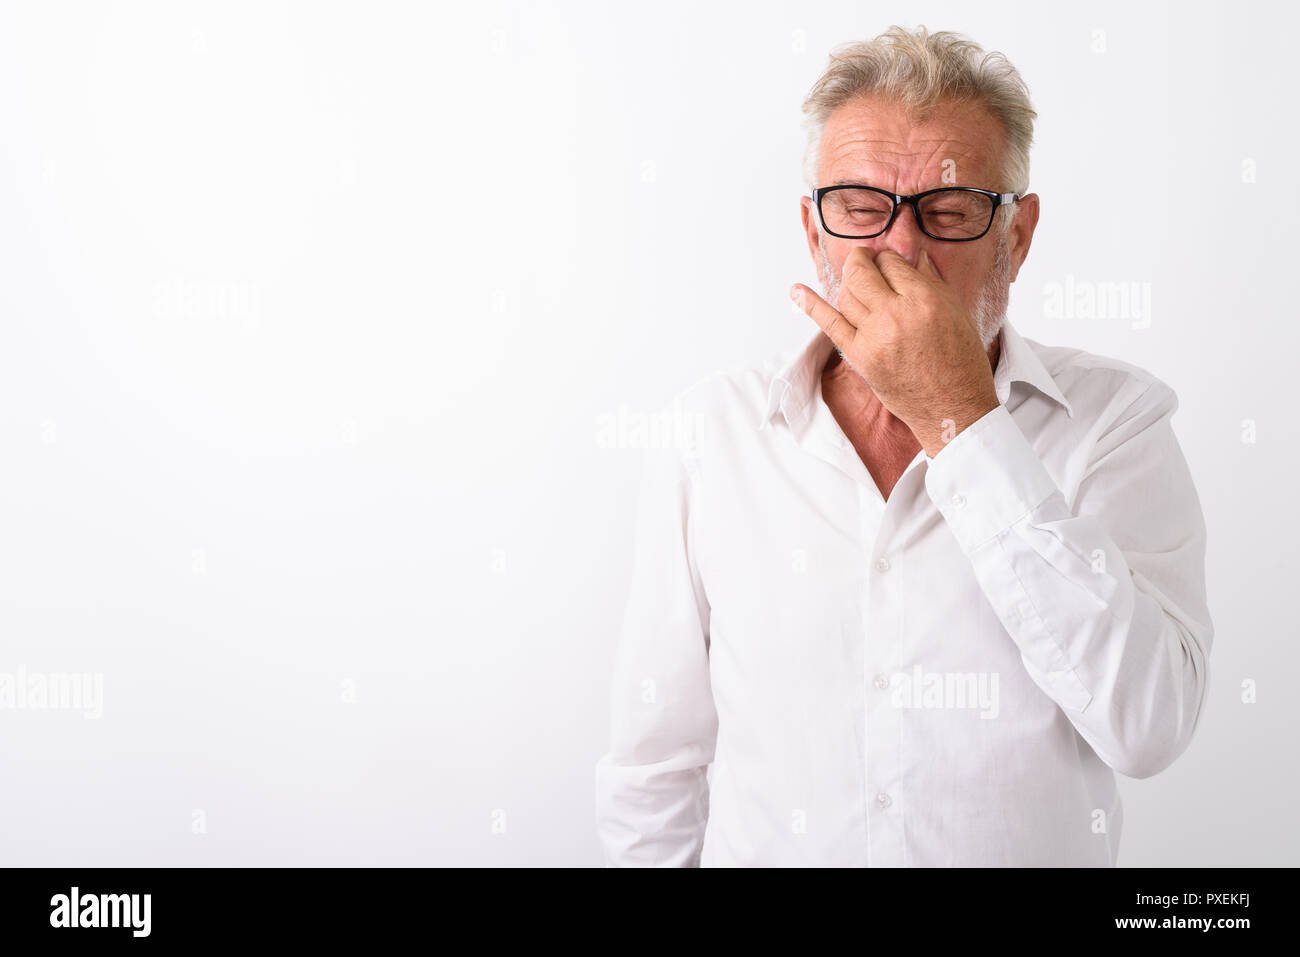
column 811, row 675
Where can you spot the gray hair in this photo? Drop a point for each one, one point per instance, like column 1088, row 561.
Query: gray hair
column 921, row 71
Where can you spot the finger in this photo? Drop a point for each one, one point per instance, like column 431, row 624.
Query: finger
column 832, row 322
column 925, row 267
column 897, row 272
column 863, row 275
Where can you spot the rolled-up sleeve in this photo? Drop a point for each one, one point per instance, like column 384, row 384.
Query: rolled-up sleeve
column 1104, row 595
column 652, row 797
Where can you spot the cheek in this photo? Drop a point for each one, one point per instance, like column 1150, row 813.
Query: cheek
column 963, row 274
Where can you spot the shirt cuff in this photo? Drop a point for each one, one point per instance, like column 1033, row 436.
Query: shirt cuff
column 987, row 479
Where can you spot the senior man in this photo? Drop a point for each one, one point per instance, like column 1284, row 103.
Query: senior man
column 913, row 593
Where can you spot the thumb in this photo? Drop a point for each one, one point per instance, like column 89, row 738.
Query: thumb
column 925, row 267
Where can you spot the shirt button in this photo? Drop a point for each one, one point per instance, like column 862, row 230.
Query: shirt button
column 958, row 500
column 882, row 682
column 882, row 565
column 883, row 799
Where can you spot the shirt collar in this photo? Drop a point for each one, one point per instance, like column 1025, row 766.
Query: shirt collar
column 794, row 387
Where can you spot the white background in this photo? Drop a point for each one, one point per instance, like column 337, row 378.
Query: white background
column 309, row 316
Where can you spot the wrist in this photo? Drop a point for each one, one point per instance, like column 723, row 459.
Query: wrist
column 951, row 425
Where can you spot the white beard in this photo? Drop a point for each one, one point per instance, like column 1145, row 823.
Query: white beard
column 990, row 309
column 994, row 294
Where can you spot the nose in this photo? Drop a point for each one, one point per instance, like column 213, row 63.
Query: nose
column 904, row 235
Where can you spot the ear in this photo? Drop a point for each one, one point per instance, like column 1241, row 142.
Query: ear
column 1021, row 233
column 809, row 216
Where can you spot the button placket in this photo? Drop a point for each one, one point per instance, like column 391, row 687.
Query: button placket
column 883, row 729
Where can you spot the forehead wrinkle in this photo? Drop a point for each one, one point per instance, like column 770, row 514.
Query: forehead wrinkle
column 856, row 140
column 873, row 163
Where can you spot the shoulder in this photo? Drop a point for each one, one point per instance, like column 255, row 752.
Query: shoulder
column 1102, row 386
column 736, row 395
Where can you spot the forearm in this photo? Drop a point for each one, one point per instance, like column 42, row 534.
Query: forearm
column 1124, row 657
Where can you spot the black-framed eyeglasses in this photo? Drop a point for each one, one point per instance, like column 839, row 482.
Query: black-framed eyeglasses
column 953, row 214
